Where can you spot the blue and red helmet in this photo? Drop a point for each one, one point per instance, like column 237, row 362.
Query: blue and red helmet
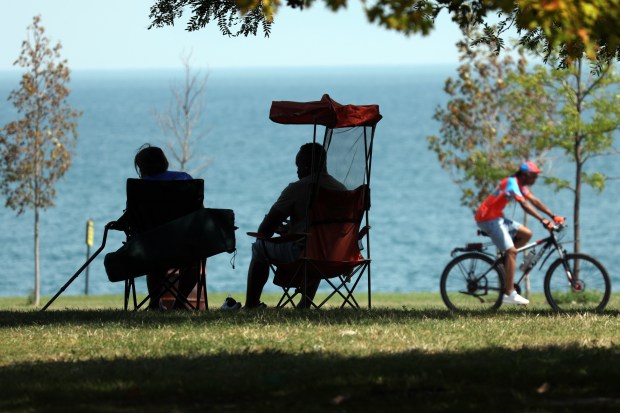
column 530, row 167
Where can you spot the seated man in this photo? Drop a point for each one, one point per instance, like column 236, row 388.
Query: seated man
column 292, row 204
column 151, row 164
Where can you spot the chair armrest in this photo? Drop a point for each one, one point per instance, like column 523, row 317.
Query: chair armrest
column 363, row 232
column 295, row 236
column 114, row 225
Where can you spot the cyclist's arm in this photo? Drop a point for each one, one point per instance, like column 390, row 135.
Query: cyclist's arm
column 527, row 207
column 539, row 205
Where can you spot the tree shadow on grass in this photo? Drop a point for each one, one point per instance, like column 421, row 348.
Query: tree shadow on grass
column 546, row 379
column 271, row 315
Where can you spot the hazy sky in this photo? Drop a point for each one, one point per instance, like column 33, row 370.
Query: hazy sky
column 113, row 34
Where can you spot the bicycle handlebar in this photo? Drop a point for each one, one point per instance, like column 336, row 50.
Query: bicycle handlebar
column 557, row 228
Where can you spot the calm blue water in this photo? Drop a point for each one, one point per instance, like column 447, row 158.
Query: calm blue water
column 416, row 217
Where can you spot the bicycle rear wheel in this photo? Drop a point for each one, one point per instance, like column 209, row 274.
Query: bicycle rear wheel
column 470, row 282
column 589, row 291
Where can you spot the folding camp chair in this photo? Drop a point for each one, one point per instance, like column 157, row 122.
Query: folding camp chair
column 168, row 228
column 151, row 204
column 335, row 238
column 332, row 250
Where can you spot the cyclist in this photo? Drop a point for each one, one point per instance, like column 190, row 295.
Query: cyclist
column 507, row 234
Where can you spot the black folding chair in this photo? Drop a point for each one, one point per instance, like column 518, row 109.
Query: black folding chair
column 151, row 204
column 168, row 230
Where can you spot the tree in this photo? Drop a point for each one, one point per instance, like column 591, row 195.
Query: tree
column 501, row 114
column 35, row 150
column 184, row 114
column 569, row 27
column 583, row 123
column 486, row 129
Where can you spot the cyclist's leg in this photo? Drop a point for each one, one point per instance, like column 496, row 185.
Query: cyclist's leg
column 522, row 237
column 501, row 231
column 510, row 268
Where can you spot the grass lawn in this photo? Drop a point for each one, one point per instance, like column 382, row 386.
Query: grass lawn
column 408, row 352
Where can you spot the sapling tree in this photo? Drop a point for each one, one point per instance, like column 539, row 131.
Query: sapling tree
column 183, row 122
column 36, row 147
column 582, row 125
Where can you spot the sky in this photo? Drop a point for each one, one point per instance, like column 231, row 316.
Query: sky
column 113, row 34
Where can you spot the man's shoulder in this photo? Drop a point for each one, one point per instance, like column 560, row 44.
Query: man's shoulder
column 325, row 181
column 329, row 182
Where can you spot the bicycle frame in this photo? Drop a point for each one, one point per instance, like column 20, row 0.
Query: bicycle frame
column 548, row 243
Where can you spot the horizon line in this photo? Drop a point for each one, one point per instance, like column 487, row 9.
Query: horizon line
column 265, row 67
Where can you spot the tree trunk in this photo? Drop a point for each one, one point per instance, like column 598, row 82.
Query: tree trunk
column 37, row 275
column 576, row 207
column 578, row 161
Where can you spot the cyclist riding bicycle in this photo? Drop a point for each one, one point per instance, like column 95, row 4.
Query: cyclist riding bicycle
column 509, row 235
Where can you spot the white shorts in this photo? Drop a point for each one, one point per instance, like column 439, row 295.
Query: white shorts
column 501, row 231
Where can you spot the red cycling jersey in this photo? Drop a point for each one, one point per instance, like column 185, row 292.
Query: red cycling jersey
column 509, row 189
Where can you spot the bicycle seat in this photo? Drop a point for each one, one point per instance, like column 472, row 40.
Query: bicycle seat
column 481, row 232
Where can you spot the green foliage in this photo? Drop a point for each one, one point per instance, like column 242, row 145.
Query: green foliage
column 488, row 127
column 501, row 114
column 584, row 119
column 234, row 18
column 35, row 149
column 558, row 184
column 596, row 180
column 570, row 28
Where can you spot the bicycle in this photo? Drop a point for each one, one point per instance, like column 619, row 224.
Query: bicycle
column 474, row 279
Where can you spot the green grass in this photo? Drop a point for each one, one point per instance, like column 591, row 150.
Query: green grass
column 84, row 354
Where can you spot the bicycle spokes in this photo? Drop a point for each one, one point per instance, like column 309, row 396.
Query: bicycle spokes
column 471, row 282
column 577, row 282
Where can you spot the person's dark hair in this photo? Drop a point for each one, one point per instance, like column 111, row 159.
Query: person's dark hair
column 150, row 160
column 312, row 155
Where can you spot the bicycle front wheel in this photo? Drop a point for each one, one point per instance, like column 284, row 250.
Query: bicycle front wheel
column 471, row 282
column 589, row 289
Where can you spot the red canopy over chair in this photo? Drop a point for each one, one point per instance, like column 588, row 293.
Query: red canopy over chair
column 326, row 112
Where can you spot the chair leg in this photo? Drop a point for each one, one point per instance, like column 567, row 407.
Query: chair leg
column 202, row 285
column 126, row 295
column 133, row 289
column 130, row 292
column 178, row 287
column 350, row 295
column 369, row 290
column 347, row 298
column 286, row 295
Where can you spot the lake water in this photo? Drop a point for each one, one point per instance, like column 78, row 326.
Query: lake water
column 416, row 217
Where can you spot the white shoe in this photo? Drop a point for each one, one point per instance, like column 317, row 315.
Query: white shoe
column 514, row 298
